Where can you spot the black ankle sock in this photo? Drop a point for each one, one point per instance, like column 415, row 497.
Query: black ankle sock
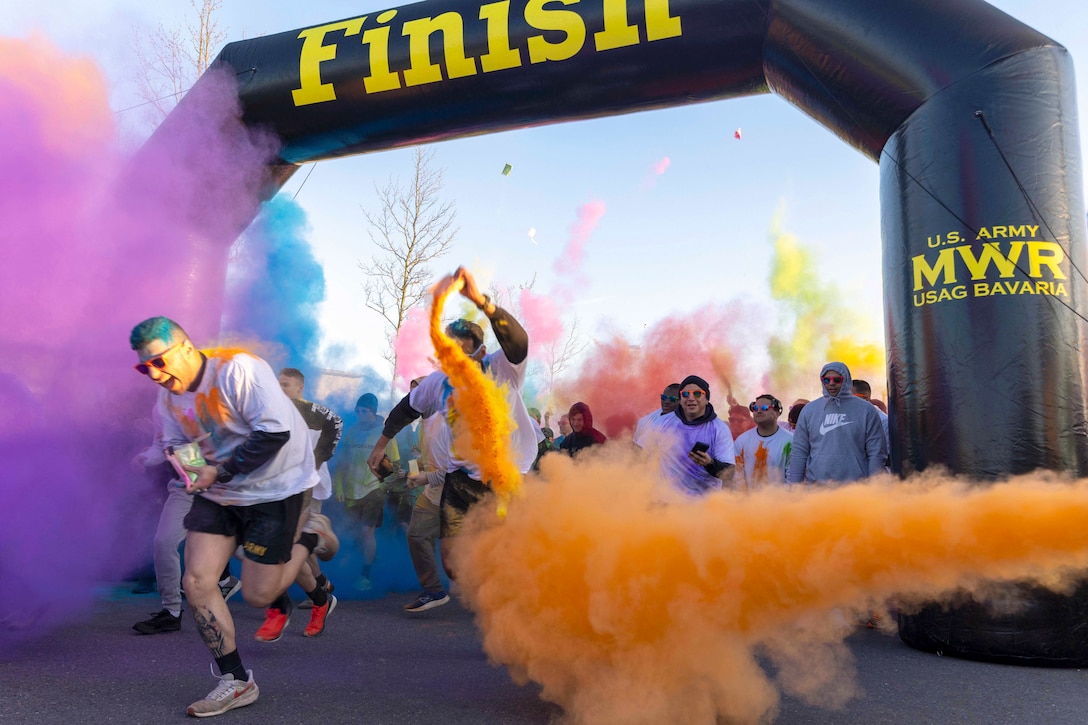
column 318, row 596
column 283, row 603
column 309, row 540
column 322, row 580
column 231, row 664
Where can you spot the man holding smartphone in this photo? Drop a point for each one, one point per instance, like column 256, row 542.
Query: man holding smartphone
column 696, row 446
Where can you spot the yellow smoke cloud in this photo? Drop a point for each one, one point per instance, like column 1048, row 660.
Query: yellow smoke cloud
column 820, row 323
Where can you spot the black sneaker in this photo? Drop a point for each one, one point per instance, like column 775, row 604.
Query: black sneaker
column 161, row 622
column 428, row 600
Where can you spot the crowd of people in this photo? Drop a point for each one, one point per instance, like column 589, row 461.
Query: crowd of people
column 257, row 489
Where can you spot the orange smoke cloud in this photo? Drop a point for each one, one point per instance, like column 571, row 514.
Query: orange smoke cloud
column 630, row 613
column 58, row 83
column 484, row 434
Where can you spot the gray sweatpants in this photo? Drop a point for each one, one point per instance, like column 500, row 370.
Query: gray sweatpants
column 168, row 537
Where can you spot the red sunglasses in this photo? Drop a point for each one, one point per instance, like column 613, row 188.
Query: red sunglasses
column 157, row 362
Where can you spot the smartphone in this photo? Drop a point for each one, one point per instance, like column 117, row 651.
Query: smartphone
column 700, row 447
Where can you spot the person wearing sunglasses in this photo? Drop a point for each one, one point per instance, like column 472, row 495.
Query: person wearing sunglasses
column 694, row 444
column 251, row 492
column 463, row 487
column 763, row 453
column 670, row 401
column 839, row 437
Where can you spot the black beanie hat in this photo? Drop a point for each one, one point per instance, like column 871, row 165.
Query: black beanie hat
column 696, row 380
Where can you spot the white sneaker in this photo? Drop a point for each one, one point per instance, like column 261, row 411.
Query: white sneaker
column 327, row 543
column 227, row 695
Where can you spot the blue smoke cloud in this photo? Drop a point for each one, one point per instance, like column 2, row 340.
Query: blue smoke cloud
column 275, row 287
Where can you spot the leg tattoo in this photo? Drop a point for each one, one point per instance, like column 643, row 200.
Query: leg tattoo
column 208, row 627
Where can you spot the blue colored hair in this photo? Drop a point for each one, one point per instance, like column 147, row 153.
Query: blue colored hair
column 466, row 330
column 155, row 328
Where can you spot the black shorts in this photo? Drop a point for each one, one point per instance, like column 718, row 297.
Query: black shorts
column 368, row 509
column 459, row 494
column 266, row 531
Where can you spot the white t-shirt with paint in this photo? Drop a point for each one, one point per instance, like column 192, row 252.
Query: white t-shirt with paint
column 763, row 460
column 432, row 396
column 239, row 394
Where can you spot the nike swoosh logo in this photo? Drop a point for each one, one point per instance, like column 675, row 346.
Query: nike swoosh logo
column 825, row 429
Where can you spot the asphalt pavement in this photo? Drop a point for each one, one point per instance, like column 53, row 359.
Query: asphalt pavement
column 377, row 664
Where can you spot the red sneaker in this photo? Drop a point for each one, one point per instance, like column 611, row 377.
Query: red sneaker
column 318, row 617
column 275, row 622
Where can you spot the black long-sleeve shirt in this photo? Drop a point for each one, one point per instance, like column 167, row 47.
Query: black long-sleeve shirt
column 512, row 338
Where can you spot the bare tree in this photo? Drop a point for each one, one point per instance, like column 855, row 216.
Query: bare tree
column 171, row 59
column 561, row 352
column 509, row 297
column 552, row 359
column 413, row 227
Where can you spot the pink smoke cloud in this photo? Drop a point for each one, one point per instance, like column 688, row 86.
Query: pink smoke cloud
column 622, row 379
column 543, row 314
column 542, row 318
column 569, row 264
column 659, row 168
column 415, row 356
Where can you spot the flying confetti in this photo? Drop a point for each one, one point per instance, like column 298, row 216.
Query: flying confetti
column 736, row 134
column 507, row 169
column 532, row 234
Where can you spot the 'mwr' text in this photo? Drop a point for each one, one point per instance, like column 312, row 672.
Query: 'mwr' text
column 566, row 36
column 953, row 262
column 990, row 269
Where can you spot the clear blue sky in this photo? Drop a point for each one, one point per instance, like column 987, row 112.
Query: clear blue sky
column 698, row 233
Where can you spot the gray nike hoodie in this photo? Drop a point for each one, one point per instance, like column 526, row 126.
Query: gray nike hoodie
column 838, row 438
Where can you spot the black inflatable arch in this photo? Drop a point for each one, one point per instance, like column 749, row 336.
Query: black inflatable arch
column 970, row 114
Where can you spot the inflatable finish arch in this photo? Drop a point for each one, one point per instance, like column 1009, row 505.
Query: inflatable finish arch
column 970, row 114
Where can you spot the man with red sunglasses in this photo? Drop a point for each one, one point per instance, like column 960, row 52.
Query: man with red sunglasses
column 696, row 446
column 250, row 492
column 838, row 437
